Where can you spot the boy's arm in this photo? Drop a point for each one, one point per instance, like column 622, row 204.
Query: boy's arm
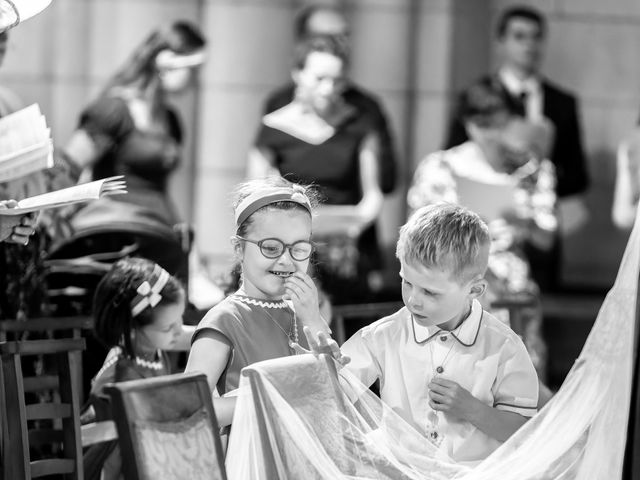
column 449, row 397
column 515, row 395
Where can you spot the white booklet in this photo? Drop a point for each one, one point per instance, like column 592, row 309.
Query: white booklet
column 79, row 193
column 489, row 200
column 25, row 143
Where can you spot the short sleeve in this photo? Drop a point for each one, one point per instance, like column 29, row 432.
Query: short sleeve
column 266, row 137
column 364, row 355
column 107, row 116
column 217, row 320
column 516, row 386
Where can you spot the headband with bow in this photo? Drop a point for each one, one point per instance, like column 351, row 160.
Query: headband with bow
column 149, row 294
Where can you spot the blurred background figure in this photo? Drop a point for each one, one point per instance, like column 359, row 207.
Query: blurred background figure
column 321, row 138
column 505, row 157
column 520, row 33
column 325, row 20
column 133, row 130
column 627, row 187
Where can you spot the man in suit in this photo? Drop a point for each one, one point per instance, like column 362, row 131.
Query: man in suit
column 520, row 34
column 323, row 20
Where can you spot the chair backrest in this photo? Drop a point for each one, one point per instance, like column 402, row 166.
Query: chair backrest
column 360, row 311
column 57, row 422
column 56, row 327
column 167, row 428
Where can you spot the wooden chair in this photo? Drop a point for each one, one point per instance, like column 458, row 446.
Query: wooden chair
column 372, row 311
column 56, row 423
column 167, row 428
column 66, row 327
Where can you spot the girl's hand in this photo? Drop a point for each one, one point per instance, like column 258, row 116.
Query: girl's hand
column 322, row 344
column 300, row 289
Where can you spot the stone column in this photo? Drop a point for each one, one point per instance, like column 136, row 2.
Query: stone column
column 248, row 55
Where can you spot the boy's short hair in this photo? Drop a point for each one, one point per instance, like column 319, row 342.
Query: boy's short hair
column 447, row 236
column 524, row 12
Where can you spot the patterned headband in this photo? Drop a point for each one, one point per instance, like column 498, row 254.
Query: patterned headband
column 262, row 198
column 169, row 60
column 149, row 293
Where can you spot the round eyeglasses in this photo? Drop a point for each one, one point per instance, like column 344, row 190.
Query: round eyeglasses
column 274, row 248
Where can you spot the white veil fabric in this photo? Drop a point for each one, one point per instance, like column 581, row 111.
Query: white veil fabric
column 295, row 419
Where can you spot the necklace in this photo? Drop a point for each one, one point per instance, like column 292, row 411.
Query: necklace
column 440, row 368
column 150, row 364
column 292, row 334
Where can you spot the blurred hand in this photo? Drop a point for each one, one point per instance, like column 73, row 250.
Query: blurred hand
column 16, row 228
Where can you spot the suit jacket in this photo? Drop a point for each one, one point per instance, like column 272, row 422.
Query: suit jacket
column 365, row 102
column 567, row 153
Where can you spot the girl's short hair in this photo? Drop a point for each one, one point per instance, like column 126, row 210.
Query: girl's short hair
column 446, row 236
column 112, row 302
column 274, row 183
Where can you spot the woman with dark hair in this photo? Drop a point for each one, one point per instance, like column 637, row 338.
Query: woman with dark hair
column 131, row 130
column 501, row 173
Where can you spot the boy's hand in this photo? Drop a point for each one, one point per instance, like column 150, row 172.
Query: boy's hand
column 300, row 289
column 449, row 397
column 322, row 344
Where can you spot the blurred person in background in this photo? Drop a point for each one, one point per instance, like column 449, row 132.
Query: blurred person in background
column 520, row 33
column 323, row 20
column 22, row 269
column 504, row 153
column 321, row 138
column 627, row 186
column 133, row 130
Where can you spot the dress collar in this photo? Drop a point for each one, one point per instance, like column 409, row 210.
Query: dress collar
column 466, row 333
column 260, row 303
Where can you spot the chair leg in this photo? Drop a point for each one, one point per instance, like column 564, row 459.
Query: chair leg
column 14, row 419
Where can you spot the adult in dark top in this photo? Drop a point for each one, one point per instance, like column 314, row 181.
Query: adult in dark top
column 131, row 129
column 521, row 32
column 322, row 139
column 324, row 20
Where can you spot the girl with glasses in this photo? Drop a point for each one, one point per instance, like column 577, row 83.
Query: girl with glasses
column 264, row 318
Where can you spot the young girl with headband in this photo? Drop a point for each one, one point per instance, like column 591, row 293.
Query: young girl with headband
column 264, row 318
column 138, row 310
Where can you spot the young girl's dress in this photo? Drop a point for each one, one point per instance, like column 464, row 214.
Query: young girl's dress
column 105, row 457
column 254, row 329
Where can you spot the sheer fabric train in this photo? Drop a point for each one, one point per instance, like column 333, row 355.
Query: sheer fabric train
column 294, row 419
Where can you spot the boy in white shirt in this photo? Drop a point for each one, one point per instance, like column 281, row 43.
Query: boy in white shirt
column 449, row 368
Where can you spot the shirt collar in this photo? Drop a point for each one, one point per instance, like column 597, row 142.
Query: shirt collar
column 466, row 333
column 516, row 85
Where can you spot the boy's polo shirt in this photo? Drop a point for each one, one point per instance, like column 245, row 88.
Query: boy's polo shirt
column 482, row 355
